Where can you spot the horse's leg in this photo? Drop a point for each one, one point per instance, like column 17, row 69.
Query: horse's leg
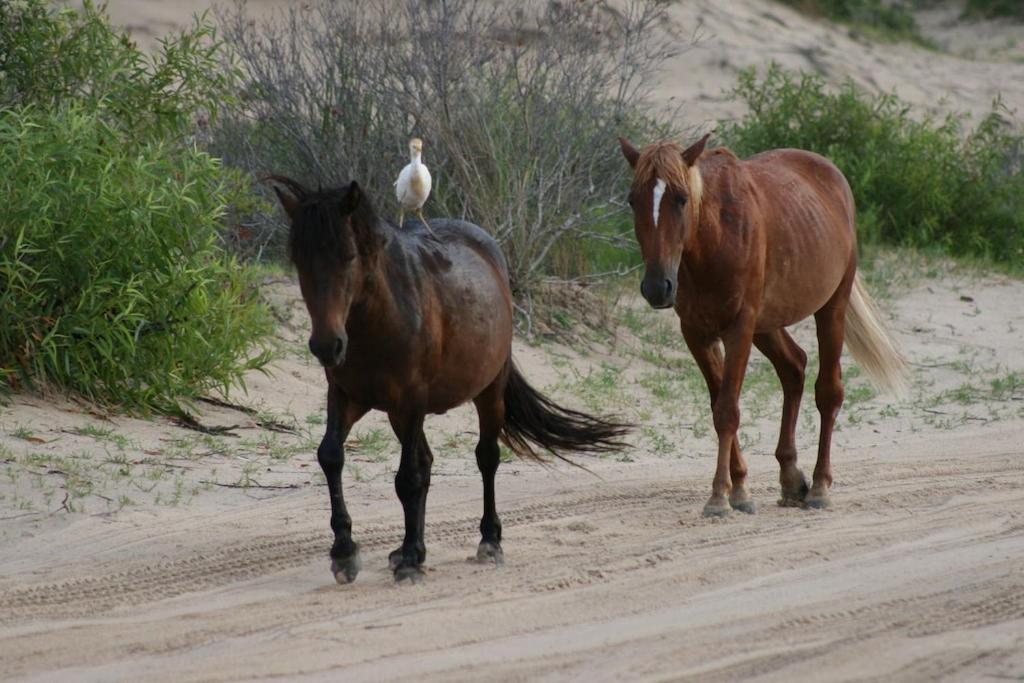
column 411, row 484
column 828, row 389
column 490, row 409
column 790, row 362
column 708, row 356
column 426, row 463
column 726, row 412
column 341, row 415
column 828, row 395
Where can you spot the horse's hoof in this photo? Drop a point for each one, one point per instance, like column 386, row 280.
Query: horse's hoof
column 407, row 573
column 490, row 553
column 794, row 493
column 345, row 569
column 745, row 506
column 818, row 502
column 717, row 508
column 739, row 499
column 395, row 558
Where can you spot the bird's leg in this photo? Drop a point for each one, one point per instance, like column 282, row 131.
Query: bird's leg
column 419, row 212
column 401, row 217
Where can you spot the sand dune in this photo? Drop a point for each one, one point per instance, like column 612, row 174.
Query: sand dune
column 978, row 61
column 738, row 35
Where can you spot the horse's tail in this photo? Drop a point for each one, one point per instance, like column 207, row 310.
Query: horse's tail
column 871, row 345
column 532, row 418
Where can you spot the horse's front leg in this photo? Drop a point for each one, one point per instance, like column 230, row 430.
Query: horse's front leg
column 341, row 415
column 411, row 484
column 708, row 355
column 726, row 413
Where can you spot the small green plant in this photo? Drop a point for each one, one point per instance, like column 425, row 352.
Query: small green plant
column 23, row 432
column 372, row 443
column 107, row 434
column 1008, row 386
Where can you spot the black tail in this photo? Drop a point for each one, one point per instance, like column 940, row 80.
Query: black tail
column 532, row 417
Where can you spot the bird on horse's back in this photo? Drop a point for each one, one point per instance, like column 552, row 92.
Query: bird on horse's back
column 741, row 249
column 412, row 322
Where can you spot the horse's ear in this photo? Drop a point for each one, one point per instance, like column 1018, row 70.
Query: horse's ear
column 353, row 196
column 629, row 151
column 291, row 201
column 694, row 151
column 288, row 202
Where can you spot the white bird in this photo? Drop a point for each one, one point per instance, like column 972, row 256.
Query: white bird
column 413, row 185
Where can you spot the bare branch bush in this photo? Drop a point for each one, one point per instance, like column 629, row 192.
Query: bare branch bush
column 519, row 105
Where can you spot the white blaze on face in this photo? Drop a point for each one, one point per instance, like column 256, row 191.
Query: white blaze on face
column 659, row 191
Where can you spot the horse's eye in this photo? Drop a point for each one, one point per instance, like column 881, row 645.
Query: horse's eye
column 682, row 201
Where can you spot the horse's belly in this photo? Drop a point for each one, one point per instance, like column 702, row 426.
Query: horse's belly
column 804, row 268
column 476, row 346
column 787, row 303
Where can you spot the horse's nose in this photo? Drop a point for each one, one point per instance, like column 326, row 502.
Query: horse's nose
column 658, row 291
column 330, row 351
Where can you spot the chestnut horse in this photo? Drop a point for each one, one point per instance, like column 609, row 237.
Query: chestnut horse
column 742, row 249
column 411, row 323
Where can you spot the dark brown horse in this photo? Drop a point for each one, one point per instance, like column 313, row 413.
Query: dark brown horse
column 742, row 249
column 412, row 323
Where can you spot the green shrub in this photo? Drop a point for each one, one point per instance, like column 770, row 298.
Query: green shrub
column 994, row 8
column 917, row 182
column 113, row 284
column 50, row 57
column 886, row 20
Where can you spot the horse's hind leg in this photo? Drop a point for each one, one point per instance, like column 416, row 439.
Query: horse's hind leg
column 411, row 484
column 490, row 408
column 828, row 395
column 828, row 389
column 341, row 415
column 789, row 361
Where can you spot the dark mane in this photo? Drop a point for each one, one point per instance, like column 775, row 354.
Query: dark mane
column 323, row 219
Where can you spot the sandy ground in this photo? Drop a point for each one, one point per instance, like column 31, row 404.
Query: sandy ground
column 135, row 549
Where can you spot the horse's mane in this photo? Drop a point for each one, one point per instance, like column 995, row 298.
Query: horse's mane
column 321, row 220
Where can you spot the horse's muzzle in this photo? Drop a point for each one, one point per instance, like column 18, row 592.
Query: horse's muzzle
column 658, row 290
column 330, row 351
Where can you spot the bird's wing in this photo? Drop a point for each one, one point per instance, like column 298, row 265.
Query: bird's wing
column 402, row 184
column 427, row 182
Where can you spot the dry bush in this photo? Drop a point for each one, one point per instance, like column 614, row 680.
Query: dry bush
column 519, row 105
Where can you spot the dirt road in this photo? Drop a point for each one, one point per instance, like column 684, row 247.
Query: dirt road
column 916, row 573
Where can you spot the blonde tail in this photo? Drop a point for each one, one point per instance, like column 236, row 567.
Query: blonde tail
column 871, row 345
